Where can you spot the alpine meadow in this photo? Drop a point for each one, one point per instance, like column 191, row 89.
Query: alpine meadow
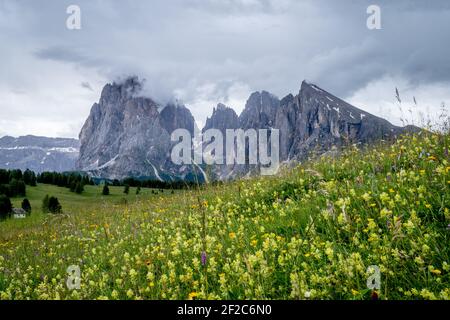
column 310, row 233
column 225, row 159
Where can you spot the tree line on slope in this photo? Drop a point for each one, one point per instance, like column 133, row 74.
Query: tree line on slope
column 13, row 182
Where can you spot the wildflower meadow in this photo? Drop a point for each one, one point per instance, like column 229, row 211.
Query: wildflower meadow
column 311, row 232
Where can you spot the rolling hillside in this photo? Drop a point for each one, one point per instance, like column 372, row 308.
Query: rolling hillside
column 310, row 233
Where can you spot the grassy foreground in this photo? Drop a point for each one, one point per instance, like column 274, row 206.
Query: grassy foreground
column 310, row 233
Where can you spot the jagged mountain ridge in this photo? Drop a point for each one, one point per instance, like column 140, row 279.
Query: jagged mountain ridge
column 129, row 136
column 317, row 119
column 312, row 122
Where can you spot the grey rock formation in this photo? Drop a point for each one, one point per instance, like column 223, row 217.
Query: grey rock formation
column 127, row 135
column 38, row 153
column 223, row 118
column 312, row 123
column 315, row 121
column 260, row 111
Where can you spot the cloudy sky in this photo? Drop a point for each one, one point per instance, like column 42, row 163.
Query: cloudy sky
column 208, row 51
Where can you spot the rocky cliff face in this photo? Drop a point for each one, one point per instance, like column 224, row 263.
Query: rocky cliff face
column 222, row 118
column 260, row 111
column 310, row 123
column 38, row 153
column 127, row 135
column 315, row 121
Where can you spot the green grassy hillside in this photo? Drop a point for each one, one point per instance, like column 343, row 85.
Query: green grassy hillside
column 309, row 233
column 89, row 199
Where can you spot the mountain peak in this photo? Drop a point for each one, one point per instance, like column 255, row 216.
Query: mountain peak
column 221, row 107
column 122, row 90
column 223, row 118
column 131, row 84
column 311, row 86
column 126, row 135
column 260, row 110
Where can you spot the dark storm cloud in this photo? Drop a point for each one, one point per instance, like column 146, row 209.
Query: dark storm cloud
column 326, row 41
column 206, row 51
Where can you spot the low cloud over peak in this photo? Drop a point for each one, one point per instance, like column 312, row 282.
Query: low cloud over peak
column 205, row 52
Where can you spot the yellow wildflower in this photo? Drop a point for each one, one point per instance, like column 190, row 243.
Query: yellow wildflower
column 192, row 295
